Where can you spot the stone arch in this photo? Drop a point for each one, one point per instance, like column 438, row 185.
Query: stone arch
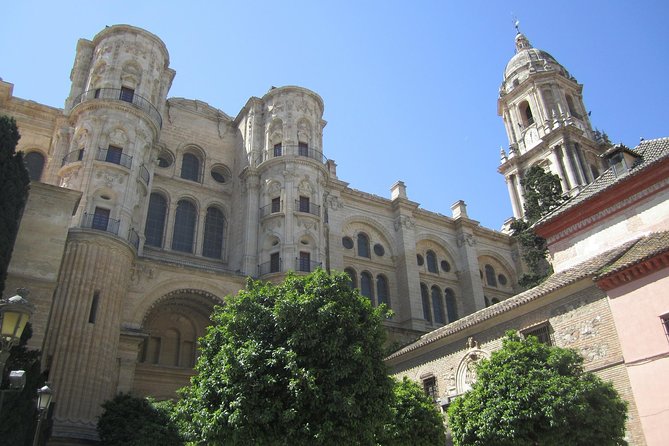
column 500, row 265
column 443, row 249
column 348, row 228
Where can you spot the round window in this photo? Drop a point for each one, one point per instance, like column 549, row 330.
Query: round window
column 347, row 242
column 419, row 260
column 378, row 250
column 219, row 174
column 445, row 266
column 165, row 159
column 502, row 279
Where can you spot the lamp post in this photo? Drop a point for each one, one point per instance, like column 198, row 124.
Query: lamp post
column 43, row 401
column 14, row 315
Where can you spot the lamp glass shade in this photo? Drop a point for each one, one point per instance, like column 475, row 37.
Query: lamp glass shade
column 13, row 323
column 44, row 398
column 14, row 315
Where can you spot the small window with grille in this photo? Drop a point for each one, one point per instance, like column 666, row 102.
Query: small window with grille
column 541, row 332
column 430, row 387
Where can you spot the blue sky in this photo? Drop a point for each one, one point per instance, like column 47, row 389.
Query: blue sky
column 410, row 88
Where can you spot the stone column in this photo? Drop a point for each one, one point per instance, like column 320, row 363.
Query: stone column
column 558, row 167
column 410, row 312
column 251, row 186
column 513, row 196
column 468, row 275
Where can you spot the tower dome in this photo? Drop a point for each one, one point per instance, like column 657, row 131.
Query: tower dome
column 528, row 60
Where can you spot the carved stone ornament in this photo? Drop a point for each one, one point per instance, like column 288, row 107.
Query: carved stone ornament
column 404, row 221
column 305, row 186
column 466, row 374
column 466, row 238
column 334, row 202
column 140, row 271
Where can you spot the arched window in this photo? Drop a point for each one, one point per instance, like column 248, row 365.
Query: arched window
column 214, row 226
column 451, row 307
column 526, row 111
column 366, row 285
column 431, row 259
column 190, row 167
column 425, row 297
column 382, row 290
column 490, row 276
column 353, row 280
column 438, row 306
column 572, row 109
column 155, row 220
column 363, row 245
column 34, row 162
column 184, row 227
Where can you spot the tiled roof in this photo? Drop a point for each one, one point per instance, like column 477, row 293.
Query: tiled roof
column 559, row 280
column 651, row 152
column 644, row 249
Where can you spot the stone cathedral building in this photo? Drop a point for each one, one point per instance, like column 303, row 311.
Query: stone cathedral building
column 146, row 211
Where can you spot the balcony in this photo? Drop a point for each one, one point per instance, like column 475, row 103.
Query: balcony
column 133, row 238
column 272, row 208
column 306, row 265
column 73, row 156
column 123, row 95
column 144, row 174
column 293, row 150
column 100, row 222
column 115, row 157
column 307, row 208
column 273, row 266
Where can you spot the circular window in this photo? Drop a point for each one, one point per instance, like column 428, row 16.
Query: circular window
column 378, row 250
column 347, row 242
column 419, row 259
column 502, row 279
column 219, row 174
column 445, row 266
column 165, row 159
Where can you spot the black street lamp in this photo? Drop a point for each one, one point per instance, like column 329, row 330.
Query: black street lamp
column 44, row 396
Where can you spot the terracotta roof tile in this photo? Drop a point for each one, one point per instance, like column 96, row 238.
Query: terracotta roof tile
column 644, row 249
column 651, row 151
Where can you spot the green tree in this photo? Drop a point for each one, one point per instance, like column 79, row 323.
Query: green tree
column 530, row 393
column 128, row 420
column 13, row 192
column 414, row 419
column 296, row 363
column 542, row 193
column 19, row 412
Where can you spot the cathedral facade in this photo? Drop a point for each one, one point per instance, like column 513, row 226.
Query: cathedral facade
column 145, row 212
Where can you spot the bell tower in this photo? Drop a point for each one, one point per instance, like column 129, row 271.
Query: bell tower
column 546, row 122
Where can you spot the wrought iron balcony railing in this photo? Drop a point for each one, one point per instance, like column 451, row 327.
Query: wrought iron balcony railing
column 100, row 222
column 121, row 94
column 271, row 208
column 293, row 150
column 306, row 265
column 114, row 157
column 309, row 208
column 273, row 266
column 73, row 156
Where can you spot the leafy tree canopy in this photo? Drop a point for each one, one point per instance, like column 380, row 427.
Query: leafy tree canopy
column 296, row 363
column 415, row 420
column 530, row 393
column 543, row 194
column 13, row 191
column 128, row 420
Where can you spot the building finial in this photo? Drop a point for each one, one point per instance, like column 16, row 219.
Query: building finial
column 517, row 25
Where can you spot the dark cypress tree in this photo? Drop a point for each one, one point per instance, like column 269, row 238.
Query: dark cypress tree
column 14, row 181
